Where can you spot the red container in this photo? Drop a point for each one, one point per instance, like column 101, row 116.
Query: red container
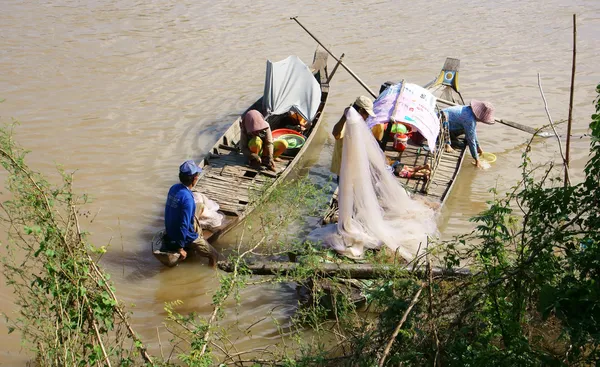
column 400, row 141
column 277, row 133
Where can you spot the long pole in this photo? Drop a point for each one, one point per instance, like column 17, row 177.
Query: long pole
column 515, row 125
column 570, row 119
column 336, row 59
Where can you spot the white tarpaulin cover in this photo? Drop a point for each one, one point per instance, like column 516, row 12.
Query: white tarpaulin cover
column 415, row 107
column 290, row 85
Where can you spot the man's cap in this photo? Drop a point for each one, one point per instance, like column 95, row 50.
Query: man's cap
column 366, row 104
column 189, row 168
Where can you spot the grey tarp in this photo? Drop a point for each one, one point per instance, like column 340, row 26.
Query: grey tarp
column 290, row 85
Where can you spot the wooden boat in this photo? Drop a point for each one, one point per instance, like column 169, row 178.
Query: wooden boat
column 444, row 166
column 444, row 171
column 228, row 179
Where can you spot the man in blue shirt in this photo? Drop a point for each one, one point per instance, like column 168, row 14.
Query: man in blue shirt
column 181, row 229
column 463, row 120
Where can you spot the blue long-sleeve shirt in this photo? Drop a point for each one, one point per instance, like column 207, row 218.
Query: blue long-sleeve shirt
column 179, row 216
column 461, row 120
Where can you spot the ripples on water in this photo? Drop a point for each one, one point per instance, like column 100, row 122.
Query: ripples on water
column 125, row 90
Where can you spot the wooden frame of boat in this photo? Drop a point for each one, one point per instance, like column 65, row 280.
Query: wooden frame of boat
column 226, row 177
column 231, row 182
column 444, row 171
column 444, row 166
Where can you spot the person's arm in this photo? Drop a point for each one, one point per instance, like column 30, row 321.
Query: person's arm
column 268, row 144
column 471, row 138
column 446, row 125
column 339, row 126
column 377, row 130
column 244, row 142
column 187, row 225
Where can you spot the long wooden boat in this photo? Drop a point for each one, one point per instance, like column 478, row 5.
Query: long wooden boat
column 231, row 182
column 444, row 166
column 444, row 171
column 228, row 179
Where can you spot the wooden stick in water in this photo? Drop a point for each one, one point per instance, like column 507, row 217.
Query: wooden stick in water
column 570, row 119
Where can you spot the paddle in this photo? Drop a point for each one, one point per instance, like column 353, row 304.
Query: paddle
column 512, row 124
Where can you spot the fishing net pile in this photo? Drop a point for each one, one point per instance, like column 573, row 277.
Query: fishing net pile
column 374, row 209
column 207, row 212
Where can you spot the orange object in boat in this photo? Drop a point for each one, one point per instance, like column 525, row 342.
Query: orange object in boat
column 400, row 141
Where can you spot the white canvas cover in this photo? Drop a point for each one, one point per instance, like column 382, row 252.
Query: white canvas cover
column 415, row 107
column 290, row 85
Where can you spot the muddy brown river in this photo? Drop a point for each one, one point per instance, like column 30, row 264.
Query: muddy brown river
column 123, row 91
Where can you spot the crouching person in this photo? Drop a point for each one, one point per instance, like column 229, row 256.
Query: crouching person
column 182, row 233
column 256, row 141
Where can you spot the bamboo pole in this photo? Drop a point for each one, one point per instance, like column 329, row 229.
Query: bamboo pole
column 512, row 124
column 336, row 59
column 515, row 125
column 570, row 118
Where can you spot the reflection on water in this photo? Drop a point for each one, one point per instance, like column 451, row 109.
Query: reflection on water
column 124, row 91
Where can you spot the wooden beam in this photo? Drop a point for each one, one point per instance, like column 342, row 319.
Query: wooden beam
column 350, row 271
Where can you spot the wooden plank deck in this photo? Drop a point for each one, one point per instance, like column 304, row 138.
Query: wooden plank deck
column 229, row 181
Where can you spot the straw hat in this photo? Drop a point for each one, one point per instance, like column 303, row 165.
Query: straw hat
column 483, row 111
column 366, row 104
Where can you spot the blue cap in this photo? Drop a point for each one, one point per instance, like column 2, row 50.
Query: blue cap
column 189, row 168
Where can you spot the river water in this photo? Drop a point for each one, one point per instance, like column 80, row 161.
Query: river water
column 123, row 91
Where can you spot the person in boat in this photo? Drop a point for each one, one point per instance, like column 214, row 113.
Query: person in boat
column 182, row 233
column 364, row 106
column 460, row 120
column 297, row 122
column 256, row 141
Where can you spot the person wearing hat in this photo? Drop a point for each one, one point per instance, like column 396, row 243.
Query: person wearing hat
column 463, row 120
column 364, row 106
column 256, row 141
column 182, row 232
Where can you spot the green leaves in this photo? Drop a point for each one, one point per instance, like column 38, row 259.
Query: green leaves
column 67, row 313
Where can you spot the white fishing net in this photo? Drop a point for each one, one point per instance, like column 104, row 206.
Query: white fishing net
column 374, row 208
column 210, row 218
